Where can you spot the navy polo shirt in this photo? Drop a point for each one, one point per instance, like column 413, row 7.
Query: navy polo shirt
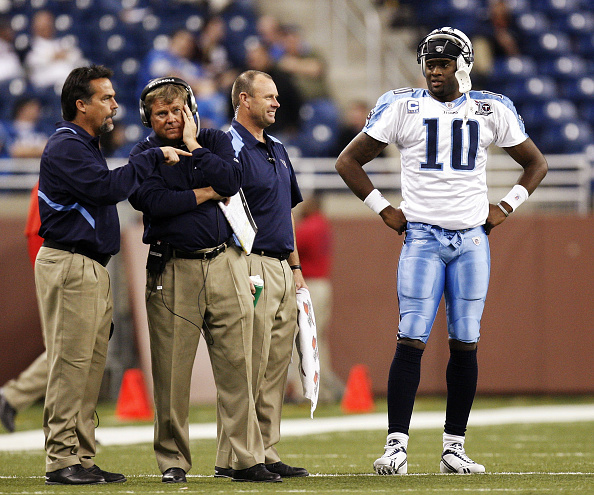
column 78, row 193
column 270, row 188
column 167, row 198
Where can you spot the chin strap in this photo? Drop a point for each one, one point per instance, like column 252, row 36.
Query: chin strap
column 467, row 107
column 464, row 85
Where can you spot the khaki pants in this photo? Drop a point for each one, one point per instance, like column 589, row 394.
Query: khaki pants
column 76, row 307
column 275, row 326
column 29, row 386
column 213, row 295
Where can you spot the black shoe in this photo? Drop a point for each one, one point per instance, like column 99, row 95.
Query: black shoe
column 109, row 477
column 73, row 475
column 286, row 471
column 257, row 473
column 7, row 413
column 174, row 475
column 223, row 472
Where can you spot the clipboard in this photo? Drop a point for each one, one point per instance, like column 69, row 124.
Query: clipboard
column 238, row 214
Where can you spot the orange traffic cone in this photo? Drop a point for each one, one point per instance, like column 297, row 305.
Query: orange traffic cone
column 133, row 401
column 358, row 397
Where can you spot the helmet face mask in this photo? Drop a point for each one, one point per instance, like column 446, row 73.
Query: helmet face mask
column 449, row 43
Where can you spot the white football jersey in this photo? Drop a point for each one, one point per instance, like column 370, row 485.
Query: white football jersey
column 444, row 179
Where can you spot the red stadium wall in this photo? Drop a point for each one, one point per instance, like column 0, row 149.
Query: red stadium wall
column 537, row 332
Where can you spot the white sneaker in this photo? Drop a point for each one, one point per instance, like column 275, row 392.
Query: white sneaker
column 394, row 460
column 455, row 460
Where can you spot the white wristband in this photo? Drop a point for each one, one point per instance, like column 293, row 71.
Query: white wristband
column 516, row 196
column 376, row 201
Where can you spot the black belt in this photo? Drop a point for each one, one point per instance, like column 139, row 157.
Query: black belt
column 278, row 256
column 89, row 253
column 205, row 255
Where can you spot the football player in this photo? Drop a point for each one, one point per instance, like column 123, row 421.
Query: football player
column 443, row 133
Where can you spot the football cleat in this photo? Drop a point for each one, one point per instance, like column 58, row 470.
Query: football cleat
column 394, row 460
column 455, row 460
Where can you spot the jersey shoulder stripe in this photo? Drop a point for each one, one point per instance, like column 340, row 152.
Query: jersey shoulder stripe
column 388, row 98
column 502, row 99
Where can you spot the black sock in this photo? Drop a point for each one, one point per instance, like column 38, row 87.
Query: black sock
column 403, row 382
column 461, row 378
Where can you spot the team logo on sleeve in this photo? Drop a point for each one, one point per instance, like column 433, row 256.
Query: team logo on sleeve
column 412, row 106
column 483, row 108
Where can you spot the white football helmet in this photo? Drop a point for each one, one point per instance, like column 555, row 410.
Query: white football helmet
column 447, row 42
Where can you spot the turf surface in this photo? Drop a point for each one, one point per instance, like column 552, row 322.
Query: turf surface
column 550, row 458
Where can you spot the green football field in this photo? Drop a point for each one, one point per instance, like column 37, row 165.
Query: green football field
column 555, row 457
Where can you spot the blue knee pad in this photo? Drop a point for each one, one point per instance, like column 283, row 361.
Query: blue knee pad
column 466, row 330
column 415, row 327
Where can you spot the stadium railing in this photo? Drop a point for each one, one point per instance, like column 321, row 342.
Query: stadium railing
column 567, row 187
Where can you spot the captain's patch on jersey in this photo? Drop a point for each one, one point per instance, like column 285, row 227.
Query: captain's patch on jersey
column 412, row 106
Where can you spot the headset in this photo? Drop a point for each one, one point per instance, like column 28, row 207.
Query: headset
column 145, row 115
column 456, row 46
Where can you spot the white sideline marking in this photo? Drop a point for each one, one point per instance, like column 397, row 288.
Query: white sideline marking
column 127, row 435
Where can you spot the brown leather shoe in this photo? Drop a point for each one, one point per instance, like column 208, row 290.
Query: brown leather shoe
column 257, row 473
column 109, row 477
column 286, row 471
column 73, row 475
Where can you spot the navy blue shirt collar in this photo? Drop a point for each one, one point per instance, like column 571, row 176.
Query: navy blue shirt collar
column 78, row 130
column 248, row 138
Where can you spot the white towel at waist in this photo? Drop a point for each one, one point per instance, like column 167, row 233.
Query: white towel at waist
column 307, row 348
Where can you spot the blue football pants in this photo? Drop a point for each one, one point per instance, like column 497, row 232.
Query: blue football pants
column 435, row 262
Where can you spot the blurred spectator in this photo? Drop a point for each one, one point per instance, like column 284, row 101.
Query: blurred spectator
column 50, row 59
column 271, row 35
column 498, row 38
column 215, row 58
column 213, row 53
column 307, row 66
column 10, row 63
column 313, row 233
column 353, row 121
column 114, row 144
column 290, row 99
column 25, row 136
column 180, row 59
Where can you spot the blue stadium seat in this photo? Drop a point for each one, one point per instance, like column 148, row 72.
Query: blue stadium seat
column 533, row 88
column 513, row 68
column 10, row 92
column 518, row 7
column 581, row 22
column 578, row 89
column 240, row 20
column 586, row 110
column 533, row 23
column 571, row 137
column 538, row 115
column 557, row 7
column 319, row 131
column 547, row 44
column 585, row 45
column 565, row 67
